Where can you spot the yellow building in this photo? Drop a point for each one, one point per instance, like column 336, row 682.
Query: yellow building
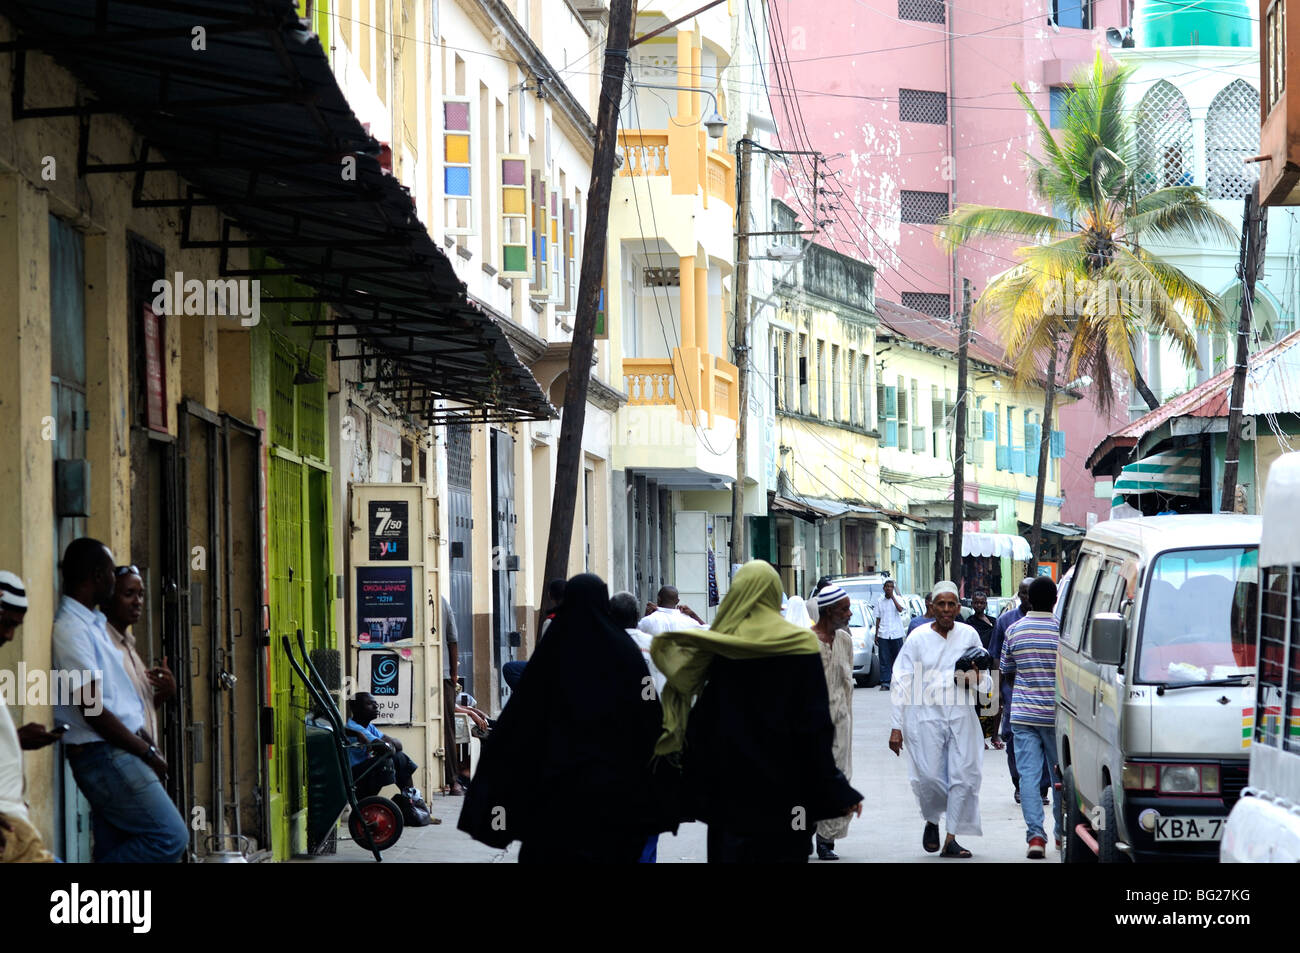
column 669, row 272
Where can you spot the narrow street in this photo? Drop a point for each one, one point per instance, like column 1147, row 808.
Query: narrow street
column 888, row 832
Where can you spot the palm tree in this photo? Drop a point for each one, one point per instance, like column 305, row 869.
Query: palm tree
column 1084, row 285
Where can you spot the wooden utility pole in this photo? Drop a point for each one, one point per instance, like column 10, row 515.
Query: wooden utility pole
column 1254, row 233
column 744, row 155
column 959, row 449
column 569, row 454
column 1044, row 444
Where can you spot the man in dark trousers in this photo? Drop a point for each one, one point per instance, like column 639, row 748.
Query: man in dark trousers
column 1005, row 622
column 979, row 618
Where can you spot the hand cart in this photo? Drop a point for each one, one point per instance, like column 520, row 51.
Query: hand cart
column 375, row 822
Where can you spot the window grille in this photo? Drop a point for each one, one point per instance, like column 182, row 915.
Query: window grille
column 925, row 11
column 923, row 105
column 923, row 208
column 935, row 305
column 1232, row 136
column 1164, row 138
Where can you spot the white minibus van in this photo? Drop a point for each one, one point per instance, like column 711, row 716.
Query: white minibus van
column 1155, row 669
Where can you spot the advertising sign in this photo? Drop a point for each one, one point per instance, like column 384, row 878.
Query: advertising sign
column 387, row 676
column 384, row 605
column 390, row 530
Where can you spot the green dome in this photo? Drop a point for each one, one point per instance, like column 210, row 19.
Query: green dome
column 1192, row 23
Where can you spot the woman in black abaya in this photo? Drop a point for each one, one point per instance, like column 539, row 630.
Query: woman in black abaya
column 567, row 769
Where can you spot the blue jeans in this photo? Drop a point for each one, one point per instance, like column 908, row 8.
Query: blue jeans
column 134, row 821
column 1035, row 755
column 889, row 649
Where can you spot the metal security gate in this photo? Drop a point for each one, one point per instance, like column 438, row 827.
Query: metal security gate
column 71, row 420
column 460, row 523
column 218, row 700
column 504, row 560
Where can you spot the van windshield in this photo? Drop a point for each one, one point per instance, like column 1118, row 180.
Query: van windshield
column 867, row 591
column 1197, row 621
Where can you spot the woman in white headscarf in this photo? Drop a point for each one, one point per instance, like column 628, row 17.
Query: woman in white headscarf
column 796, row 611
column 934, row 718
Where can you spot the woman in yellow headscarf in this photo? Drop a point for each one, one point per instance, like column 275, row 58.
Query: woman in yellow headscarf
column 756, row 748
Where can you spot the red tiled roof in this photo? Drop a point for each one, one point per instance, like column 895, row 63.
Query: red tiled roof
column 1270, row 392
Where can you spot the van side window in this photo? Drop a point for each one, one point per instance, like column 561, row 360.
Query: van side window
column 1110, row 588
column 1078, row 599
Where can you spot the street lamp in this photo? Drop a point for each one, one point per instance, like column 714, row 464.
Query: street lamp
column 1084, row 381
column 715, row 125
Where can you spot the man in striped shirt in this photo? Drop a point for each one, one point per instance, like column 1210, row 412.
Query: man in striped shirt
column 1029, row 654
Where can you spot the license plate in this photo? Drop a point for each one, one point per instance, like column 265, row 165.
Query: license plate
column 1189, row 828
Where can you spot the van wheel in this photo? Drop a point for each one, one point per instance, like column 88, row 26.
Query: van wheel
column 1108, row 836
column 1073, row 849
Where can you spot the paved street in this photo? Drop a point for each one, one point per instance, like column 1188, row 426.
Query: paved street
column 888, row 832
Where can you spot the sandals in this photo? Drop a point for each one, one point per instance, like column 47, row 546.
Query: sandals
column 930, row 839
column 954, row 849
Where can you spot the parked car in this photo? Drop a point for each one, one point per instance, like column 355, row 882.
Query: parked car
column 1155, row 667
column 915, row 606
column 866, row 654
column 868, row 588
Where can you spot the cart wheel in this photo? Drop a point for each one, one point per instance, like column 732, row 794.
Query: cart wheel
column 384, row 814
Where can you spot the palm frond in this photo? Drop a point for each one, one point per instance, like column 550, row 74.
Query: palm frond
column 969, row 222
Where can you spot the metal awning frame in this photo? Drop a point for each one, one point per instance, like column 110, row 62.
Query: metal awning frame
column 250, row 165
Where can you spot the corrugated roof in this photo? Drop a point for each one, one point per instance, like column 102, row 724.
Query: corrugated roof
column 1272, row 387
column 921, row 328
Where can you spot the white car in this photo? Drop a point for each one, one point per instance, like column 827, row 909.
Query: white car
column 866, row 656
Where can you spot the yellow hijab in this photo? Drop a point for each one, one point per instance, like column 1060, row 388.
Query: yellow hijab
column 748, row 625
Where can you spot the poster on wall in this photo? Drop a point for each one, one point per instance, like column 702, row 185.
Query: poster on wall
column 387, row 676
column 384, row 605
column 389, row 530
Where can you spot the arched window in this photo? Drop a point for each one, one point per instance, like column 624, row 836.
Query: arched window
column 1231, row 136
column 1267, row 326
column 1164, row 138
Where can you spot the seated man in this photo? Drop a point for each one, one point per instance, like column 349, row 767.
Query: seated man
column 398, row 769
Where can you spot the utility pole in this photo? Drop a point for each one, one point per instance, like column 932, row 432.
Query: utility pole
column 959, row 450
column 1044, row 443
column 1254, row 234
column 744, row 155
column 569, row 453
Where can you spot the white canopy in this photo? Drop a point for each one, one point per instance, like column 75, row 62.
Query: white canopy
column 995, row 544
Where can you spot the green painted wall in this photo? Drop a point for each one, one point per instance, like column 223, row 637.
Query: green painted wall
column 300, row 534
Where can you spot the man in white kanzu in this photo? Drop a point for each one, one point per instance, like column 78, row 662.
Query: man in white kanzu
column 934, row 718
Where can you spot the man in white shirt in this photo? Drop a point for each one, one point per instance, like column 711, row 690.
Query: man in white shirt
column 668, row 615
column 116, row 764
column 20, row 842
column 890, row 631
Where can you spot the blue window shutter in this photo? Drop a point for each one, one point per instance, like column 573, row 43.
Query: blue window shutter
column 1003, row 457
column 990, row 425
column 891, row 403
column 891, row 433
column 1058, row 444
column 1017, row 459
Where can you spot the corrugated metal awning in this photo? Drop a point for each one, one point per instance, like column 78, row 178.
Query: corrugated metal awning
column 995, row 544
column 1173, row 473
column 255, row 125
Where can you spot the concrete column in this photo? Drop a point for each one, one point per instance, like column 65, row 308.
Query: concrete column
column 696, row 75
column 701, row 309
column 684, row 64
column 688, row 298
column 26, row 470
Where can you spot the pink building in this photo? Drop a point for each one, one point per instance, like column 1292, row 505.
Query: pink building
column 912, row 103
